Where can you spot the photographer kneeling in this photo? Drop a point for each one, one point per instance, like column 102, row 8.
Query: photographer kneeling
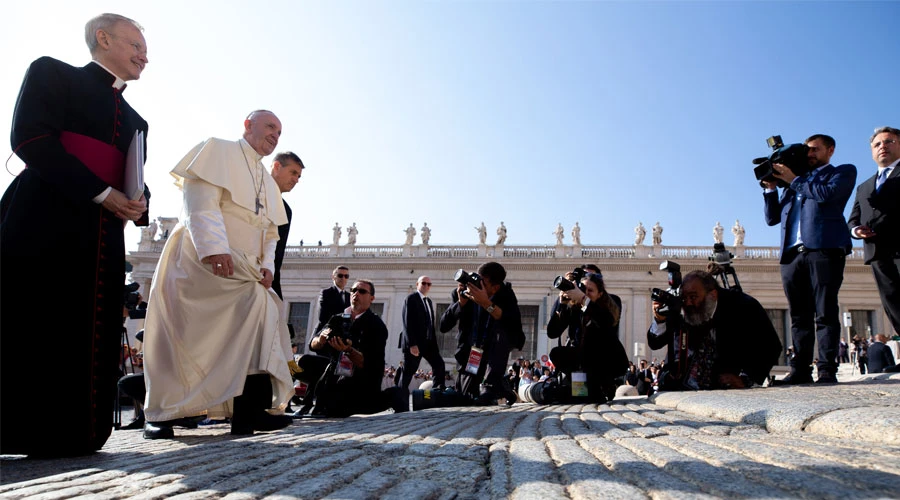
column 594, row 346
column 724, row 339
column 355, row 343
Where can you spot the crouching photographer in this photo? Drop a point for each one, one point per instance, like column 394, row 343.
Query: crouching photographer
column 490, row 325
column 354, row 343
column 593, row 352
column 717, row 339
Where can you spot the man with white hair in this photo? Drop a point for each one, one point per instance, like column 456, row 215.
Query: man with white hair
column 214, row 341
column 63, row 215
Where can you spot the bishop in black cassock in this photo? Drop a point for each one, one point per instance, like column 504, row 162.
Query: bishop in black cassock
column 62, row 252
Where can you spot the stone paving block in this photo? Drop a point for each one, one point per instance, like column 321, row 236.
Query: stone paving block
column 856, row 424
column 584, row 476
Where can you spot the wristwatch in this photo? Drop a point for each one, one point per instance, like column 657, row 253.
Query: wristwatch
column 490, row 309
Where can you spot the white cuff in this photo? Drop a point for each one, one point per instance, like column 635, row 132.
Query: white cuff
column 100, row 198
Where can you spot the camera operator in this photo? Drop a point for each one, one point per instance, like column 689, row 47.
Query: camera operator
column 815, row 241
column 351, row 383
column 490, row 325
column 723, row 338
column 596, row 349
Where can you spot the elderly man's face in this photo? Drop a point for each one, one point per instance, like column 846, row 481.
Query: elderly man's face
column 262, row 131
column 123, row 50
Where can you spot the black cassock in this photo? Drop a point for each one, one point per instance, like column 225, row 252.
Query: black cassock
column 62, row 265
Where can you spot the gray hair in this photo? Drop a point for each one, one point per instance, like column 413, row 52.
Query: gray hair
column 104, row 22
column 881, row 130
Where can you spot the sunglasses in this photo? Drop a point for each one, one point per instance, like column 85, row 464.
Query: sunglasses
column 345, row 276
column 361, row 291
column 426, row 283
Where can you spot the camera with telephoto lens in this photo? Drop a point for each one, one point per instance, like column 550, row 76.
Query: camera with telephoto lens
column 793, row 156
column 670, row 298
column 338, row 326
column 564, row 285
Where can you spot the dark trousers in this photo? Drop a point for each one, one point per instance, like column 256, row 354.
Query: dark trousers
column 811, row 283
column 887, row 277
column 313, row 367
column 429, row 351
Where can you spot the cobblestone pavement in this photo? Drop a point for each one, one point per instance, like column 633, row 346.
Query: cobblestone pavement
column 761, row 443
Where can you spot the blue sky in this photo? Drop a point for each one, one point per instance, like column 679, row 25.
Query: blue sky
column 531, row 113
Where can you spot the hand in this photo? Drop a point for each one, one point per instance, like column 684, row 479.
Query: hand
column 267, row 278
column 575, row 295
column 863, row 232
column 783, row 173
column 123, row 208
column 222, row 265
column 658, row 317
column 339, row 344
column 769, row 184
column 479, row 295
column 460, row 288
column 414, row 350
column 731, row 381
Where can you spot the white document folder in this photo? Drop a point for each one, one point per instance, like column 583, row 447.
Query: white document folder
column 134, row 167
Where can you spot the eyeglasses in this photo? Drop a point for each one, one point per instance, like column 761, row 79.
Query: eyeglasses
column 426, row 283
column 886, row 142
column 137, row 46
column 345, row 276
column 361, row 291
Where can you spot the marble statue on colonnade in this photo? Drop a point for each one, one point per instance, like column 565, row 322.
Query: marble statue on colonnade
column 738, row 232
column 639, row 234
column 336, row 236
column 425, row 233
column 718, row 232
column 351, row 234
column 657, row 234
column 501, row 234
column 410, row 234
column 482, row 233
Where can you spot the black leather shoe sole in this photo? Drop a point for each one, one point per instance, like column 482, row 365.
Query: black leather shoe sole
column 827, row 378
column 794, row 379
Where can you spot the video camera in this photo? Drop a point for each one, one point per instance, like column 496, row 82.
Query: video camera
column 720, row 266
column 670, row 298
column 338, row 326
column 793, row 156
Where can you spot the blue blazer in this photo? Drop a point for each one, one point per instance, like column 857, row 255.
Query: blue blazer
column 822, row 223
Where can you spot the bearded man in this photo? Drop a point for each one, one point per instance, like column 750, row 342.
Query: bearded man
column 724, row 339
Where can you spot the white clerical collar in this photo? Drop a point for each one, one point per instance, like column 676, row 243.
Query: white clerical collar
column 892, row 165
column 119, row 83
column 248, row 149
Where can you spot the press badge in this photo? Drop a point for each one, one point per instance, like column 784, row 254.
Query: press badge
column 344, row 366
column 474, row 360
column 579, row 384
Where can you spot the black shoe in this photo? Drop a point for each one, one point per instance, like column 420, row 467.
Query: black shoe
column 260, row 420
column 137, row 423
column 511, row 397
column 158, row 430
column 302, row 412
column 795, row 378
column 827, row 378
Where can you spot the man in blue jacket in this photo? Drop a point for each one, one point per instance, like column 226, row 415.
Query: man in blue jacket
column 815, row 241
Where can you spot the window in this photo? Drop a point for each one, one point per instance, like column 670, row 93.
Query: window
column 530, row 327
column 863, row 323
column 298, row 318
column 378, row 308
column 446, row 341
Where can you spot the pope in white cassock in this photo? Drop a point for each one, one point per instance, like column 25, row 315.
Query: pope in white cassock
column 214, row 342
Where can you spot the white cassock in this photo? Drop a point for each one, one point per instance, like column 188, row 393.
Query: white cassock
column 204, row 333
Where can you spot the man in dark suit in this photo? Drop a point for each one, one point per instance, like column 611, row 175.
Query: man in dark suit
column 286, row 170
column 73, row 129
column 418, row 339
column 880, row 356
column 814, row 244
column 876, row 220
column 731, row 342
column 334, row 300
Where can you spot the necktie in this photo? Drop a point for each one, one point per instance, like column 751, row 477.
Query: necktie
column 881, row 178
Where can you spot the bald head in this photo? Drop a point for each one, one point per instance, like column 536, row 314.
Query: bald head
column 423, row 285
